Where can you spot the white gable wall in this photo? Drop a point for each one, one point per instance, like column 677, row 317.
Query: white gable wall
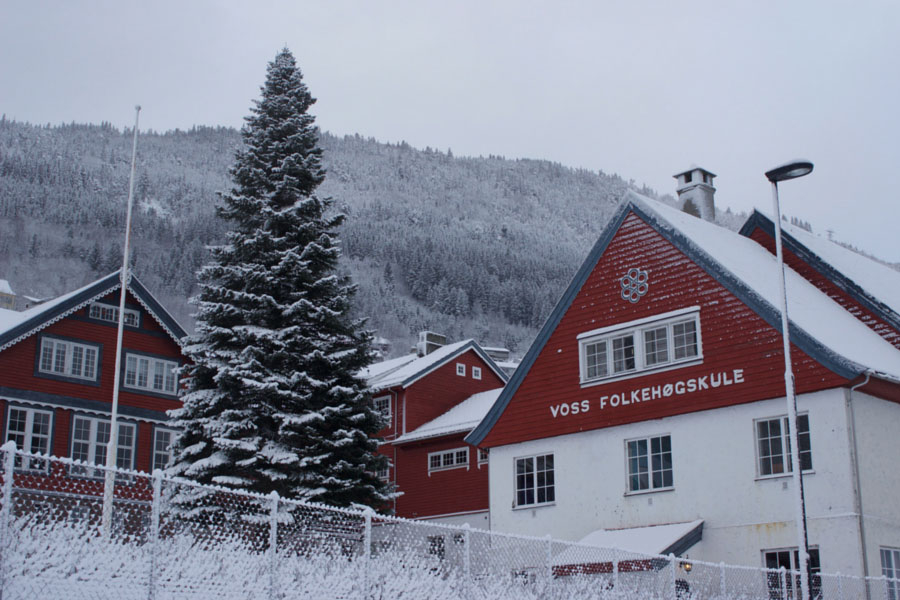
column 715, row 479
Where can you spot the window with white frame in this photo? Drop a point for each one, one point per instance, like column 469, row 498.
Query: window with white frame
column 773, row 445
column 448, row 459
column 890, row 568
column 643, row 345
column 108, row 312
column 535, row 483
column 68, row 359
column 649, row 463
column 476, row 372
column 382, row 405
column 384, row 472
column 482, row 456
column 90, row 435
column 30, row 429
column 151, row 374
column 461, row 369
column 789, row 560
column 163, row 450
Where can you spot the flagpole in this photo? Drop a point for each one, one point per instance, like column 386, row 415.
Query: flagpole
column 112, row 446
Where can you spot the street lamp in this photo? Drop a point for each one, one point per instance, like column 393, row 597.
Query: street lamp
column 791, row 170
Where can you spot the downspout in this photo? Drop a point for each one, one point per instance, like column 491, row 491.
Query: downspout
column 854, row 464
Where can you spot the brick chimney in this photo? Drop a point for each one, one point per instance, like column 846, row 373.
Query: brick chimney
column 695, row 189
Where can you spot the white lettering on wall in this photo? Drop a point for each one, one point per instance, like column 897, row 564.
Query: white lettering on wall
column 645, row 394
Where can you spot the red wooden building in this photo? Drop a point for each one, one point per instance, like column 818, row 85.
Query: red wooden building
column 431, row 402
column 654, row 395
column 57, row 368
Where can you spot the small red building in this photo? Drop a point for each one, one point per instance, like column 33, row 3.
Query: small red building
column 57, row 370
column 432, row 401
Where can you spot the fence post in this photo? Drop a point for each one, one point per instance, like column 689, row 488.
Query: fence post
column 840, row 583
column 154, row 533
column 616, row 570
column 273, row 541
column 722, row 579
column 782, row 574
column 9, row 463
column 467, row 558
column 367, row 536
column 674, row 576
column 549, row 559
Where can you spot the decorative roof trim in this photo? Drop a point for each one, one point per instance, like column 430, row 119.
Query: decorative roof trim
column 471, row 345
column 89, row 294
column 824, row 268
column 815, row 349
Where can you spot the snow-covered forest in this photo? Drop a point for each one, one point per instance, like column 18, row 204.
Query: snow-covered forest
column 470, row 247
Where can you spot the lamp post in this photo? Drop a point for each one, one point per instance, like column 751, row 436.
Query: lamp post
column 785, row 172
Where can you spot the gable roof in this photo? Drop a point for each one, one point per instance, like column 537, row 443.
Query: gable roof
column 462, row 418
column 871, row 283
column 406, row 373
column 818, row 325
column 21, row 325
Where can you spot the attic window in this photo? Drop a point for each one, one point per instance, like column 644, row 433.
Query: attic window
column 476, row 372
column 652, row 344
column 688, row 177
column 110, row 313
column 461, row 369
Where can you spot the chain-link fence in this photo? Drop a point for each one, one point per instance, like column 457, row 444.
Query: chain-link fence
column 164, row 538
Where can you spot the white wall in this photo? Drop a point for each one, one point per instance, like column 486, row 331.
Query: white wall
column 715, row 479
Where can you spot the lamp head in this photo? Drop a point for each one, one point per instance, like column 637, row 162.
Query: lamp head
column 791, row 170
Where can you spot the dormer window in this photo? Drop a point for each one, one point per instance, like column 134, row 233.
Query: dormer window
column 110, row 313
column 687, row 177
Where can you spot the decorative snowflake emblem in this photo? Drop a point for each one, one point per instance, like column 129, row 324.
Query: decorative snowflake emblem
column 635, row 284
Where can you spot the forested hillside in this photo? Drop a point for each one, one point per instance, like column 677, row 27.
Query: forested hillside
column 470, row 247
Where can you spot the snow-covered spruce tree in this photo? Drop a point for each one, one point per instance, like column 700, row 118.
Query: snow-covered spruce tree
column 273, row 402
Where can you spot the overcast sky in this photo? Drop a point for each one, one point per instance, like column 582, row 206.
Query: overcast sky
column 638, row 88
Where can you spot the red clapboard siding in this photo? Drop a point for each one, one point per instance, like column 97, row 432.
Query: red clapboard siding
column 733, row 337
column 442, row 492
column 829, row 288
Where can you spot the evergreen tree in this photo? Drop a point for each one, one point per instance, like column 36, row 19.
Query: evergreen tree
column 273, row 402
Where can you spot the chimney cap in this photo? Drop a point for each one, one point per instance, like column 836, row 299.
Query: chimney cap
column 693, row 168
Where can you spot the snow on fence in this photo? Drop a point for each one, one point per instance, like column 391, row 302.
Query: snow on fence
column 52, row 545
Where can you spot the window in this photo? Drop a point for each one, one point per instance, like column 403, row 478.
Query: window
column 383, row 406
column 448, row 459
column 482, row 456
column 108, row 312
column 476, row 372
column 89, row 438
column 68, row 359
column 163, row 452
column 29, row 428
column 384, row 472
column 151, row 374
column 649, row 463
column 461, row 369
column 534, row 480
column 688, row 177
column 789, row 559
column 774, row 445
column 643, row 345
column 890, row 568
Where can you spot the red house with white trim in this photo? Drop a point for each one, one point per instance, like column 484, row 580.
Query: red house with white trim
column 654, row 396
column 57, row 369
column 431, row 403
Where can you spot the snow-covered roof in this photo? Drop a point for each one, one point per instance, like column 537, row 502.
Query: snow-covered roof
column 462, row 418
column 24, row 324
column 653, row 540
column 5, row 287
column 849, row 340
column 380, row 369
column 406, row 373
column 876, row 280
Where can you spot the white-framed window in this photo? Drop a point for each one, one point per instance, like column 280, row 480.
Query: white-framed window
column 483, row 456
column 163, row 450
column 890, row 568
column 789, row 559
column 151, row 374
column 448, row 459
column 476, row 372
column 68, row 359
column 110, row 313
column 535, row 482
column 649, row 344
column 461, row 369
column 90, row 435
column 30, row 428
column 384, row 472
column 382, row 405
column 773, row 445
column 649, row 463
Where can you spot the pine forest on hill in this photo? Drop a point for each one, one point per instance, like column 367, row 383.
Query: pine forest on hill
column 468, row 247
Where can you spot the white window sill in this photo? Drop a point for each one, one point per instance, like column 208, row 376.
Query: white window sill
column 640, row 373
column 430, row 471
column 536, row 505
column 645, row 492
column 783, row 475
